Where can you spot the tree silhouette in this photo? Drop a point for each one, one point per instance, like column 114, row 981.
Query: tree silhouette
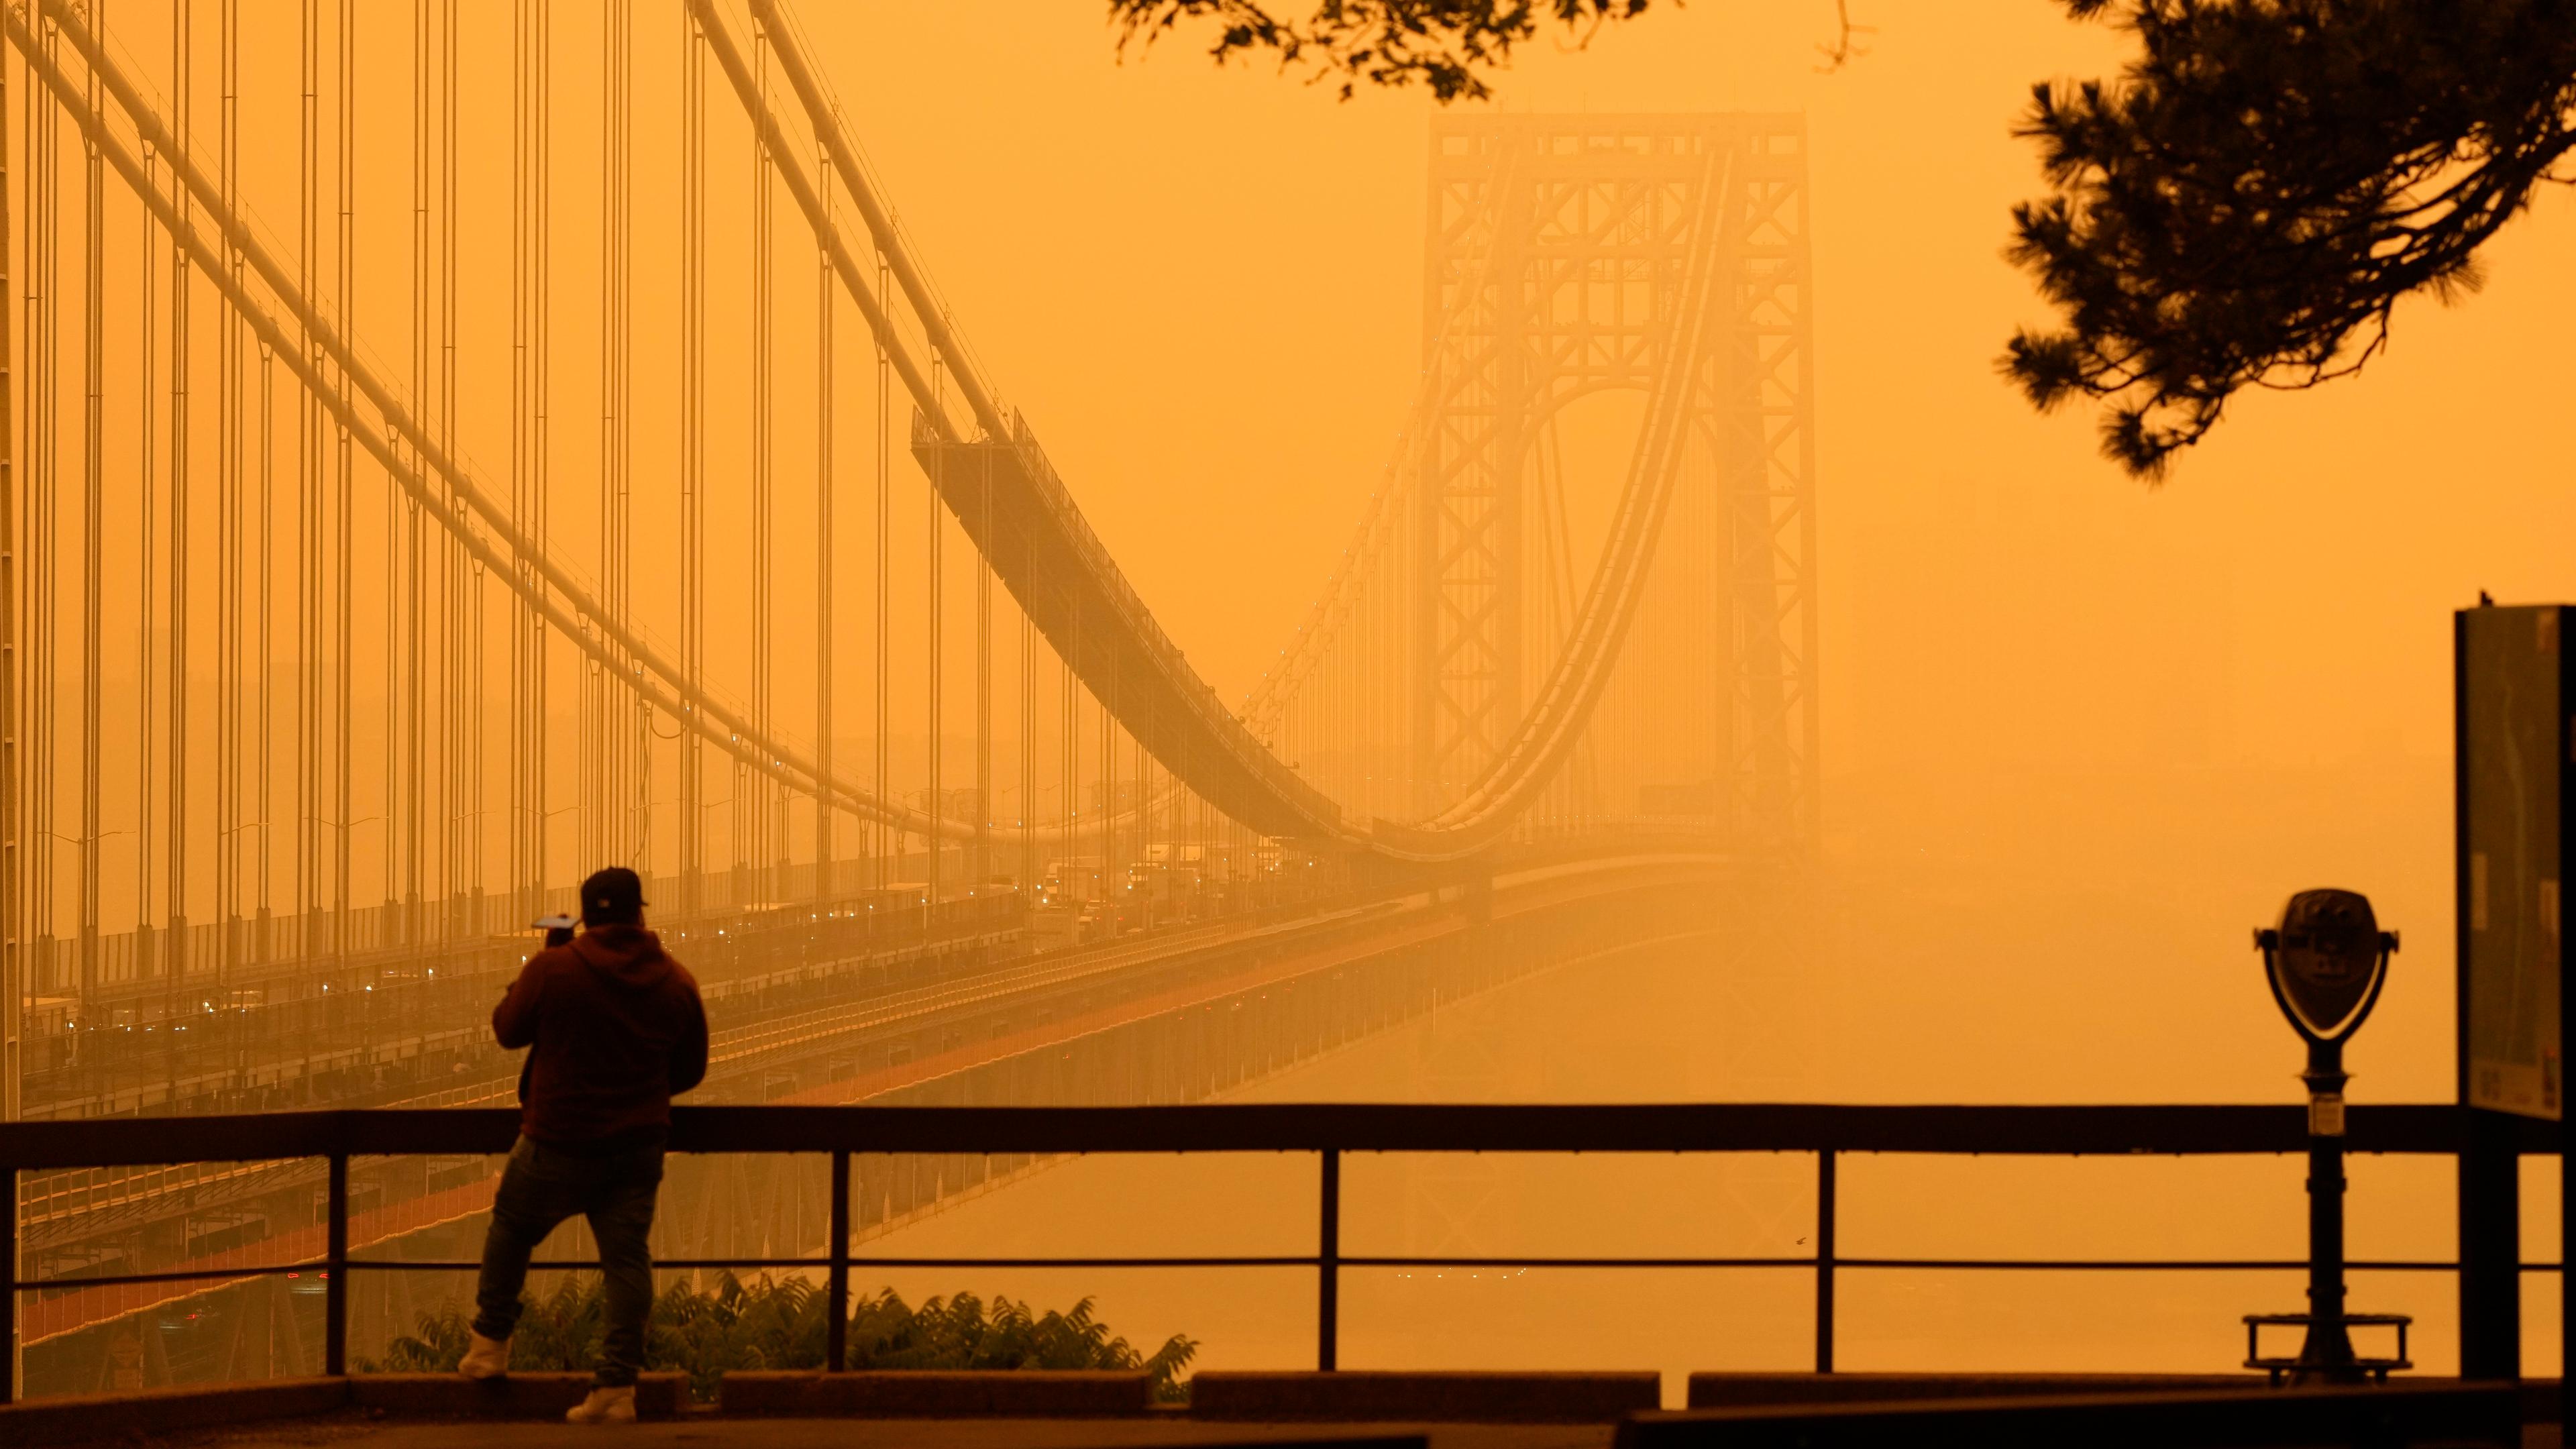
column 2242, row 207
column 2246, row 204
column 1444, row 44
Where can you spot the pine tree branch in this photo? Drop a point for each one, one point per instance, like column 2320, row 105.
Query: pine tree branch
column 2248, row 202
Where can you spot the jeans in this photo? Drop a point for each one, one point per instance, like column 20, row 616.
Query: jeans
column 541, row 1187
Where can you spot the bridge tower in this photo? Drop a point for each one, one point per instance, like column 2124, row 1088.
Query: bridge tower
column 1559, row 250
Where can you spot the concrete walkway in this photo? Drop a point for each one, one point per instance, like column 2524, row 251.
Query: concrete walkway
column 354, row 1431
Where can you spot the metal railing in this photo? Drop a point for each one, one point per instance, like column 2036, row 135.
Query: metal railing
column 1828, row 1133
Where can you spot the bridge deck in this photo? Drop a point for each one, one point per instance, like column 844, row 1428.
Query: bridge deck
column 1022, row 519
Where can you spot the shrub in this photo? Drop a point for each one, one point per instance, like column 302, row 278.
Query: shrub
column 780, row 1324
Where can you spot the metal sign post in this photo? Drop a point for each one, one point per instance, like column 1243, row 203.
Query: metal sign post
column 2512, row 702
column 2326, row 962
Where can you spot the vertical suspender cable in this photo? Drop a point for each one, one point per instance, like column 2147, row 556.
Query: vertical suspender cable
column 176, row 889
column 753, row 797
column 44, row 266
column 692, row 436
column 629, row 739
column 404, row 535
column 540, row 373
column 93, row 543
column 596, row 735
column 261, row 948
column 1028, row 817
column 823, row 549
column 592, row 744
column 431, row 829
column 463, row 720
column 233, row 517
column 344, row 478
column 264, row 947
column 528, row 180
column 15, row 983
column 456, row 635
column 1109, row 796
column 880, row 833
column 1068, row 749
column 937, row 803
column 308, row 504
column 147, row 573
column 983, row 866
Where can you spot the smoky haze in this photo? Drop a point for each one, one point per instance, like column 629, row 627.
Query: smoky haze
column 2079, row 735
column 2119, row 724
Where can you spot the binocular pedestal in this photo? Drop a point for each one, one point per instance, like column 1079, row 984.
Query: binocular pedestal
column 2325, row 1353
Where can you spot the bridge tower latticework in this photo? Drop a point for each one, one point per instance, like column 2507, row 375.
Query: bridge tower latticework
column 1559, row 249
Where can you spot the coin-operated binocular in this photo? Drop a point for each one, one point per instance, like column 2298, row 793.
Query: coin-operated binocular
column 2326, row 962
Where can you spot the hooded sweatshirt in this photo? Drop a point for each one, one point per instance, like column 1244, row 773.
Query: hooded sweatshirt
column 617, row 1030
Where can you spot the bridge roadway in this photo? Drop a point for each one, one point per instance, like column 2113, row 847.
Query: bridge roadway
column 463, row 1048
column 369, row 1025
column 1133, row 1021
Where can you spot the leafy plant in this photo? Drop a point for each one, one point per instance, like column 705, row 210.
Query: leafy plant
column 781, row 1324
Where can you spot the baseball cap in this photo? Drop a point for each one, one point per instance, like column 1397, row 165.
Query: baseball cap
column 614, row 894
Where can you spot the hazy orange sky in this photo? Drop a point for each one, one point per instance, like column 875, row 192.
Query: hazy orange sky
column 2079, row 733
column 2089, row 730
column 1202, row 285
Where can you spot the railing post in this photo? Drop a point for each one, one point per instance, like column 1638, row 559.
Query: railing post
column 1328, row 1259
column 2490, row 1240
column 335, row 1271
column 836, row 1337
column 9, row 1282
column 1825, row 1261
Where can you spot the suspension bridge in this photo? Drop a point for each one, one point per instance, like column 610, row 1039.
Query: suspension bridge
column 357, row 603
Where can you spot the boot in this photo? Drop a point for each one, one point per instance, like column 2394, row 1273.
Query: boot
column 604, row 1406
column 486, row 1358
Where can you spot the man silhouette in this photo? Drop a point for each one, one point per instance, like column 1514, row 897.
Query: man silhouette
column 615, row 1030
